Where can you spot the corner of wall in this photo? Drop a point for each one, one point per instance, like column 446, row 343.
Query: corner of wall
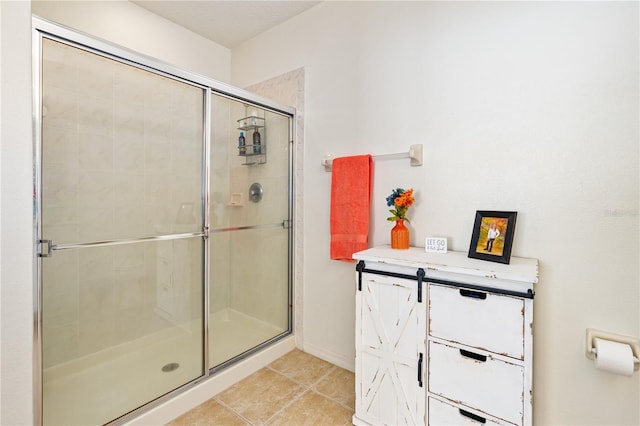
column 16, row 222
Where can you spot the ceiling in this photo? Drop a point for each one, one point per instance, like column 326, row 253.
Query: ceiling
column 227, row 22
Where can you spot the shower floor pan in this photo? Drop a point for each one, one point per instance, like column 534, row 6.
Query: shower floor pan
column 96, row 389
column 232, row 333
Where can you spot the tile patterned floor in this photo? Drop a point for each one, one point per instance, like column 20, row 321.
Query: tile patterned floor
column 297, row 389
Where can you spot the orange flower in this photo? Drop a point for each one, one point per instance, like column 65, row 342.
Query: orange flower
column 401, row 200
column 405, row 199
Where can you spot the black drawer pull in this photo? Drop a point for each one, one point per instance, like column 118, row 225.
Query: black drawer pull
column 420, row 369
column 473, row 416
column 473, row 294
column 477, row 357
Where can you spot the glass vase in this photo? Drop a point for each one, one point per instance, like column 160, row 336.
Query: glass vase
column 400, row 236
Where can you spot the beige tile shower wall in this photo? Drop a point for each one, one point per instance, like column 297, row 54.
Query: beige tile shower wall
column 121, row 158
column 122, row 149
column 260, row 276
column 219, row 268
column 248, row 267
column 260, row 273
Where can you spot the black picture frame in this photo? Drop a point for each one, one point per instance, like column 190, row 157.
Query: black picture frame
column 498, row 248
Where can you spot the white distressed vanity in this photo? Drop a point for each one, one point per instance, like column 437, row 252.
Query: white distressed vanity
column 443, row 339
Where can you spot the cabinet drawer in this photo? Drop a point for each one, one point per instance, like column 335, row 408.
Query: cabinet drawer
column 484, row 320
column 477, row 381
column 441, row 413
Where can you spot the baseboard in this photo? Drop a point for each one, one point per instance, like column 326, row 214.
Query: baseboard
column 333, row 358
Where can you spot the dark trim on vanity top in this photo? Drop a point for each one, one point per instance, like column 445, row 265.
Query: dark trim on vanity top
column 420, row 277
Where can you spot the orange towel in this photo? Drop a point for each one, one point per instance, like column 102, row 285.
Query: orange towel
column 350, row 204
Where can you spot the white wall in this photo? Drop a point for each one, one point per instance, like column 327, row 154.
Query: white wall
column 526, row 106
column 16, row 242
column 124, row 23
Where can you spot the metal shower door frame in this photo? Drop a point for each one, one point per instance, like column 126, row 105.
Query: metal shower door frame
column 41, row 29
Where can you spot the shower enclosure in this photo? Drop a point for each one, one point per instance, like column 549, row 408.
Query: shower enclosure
column 164, row 247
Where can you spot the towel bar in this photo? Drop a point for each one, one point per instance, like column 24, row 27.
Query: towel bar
column 414, row 154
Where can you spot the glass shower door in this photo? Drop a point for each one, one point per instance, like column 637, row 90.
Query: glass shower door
column 121, row 229
column 250, row 221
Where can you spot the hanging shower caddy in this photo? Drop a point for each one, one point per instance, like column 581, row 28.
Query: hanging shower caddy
column 253, row 154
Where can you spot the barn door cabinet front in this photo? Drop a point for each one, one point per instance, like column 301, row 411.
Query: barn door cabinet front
column 390, row 349
column 442, row 339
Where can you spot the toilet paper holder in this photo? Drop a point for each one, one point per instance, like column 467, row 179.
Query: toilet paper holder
column 591, row 351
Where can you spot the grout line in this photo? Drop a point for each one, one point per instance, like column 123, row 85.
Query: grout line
column 333, row 367
column 287, row 405
column 222, row 403
column 304, row 390
column 351, row 409
column 316, row 383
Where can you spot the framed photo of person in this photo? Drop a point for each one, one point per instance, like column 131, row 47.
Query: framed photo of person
column 493, row 236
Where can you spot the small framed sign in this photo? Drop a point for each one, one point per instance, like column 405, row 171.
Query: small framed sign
column 435, row 245
column 493, row 236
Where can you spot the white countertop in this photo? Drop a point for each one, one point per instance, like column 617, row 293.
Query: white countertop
column 454, row 265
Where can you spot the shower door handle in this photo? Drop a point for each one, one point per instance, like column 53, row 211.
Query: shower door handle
column 49, row 251
column 51, row 247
